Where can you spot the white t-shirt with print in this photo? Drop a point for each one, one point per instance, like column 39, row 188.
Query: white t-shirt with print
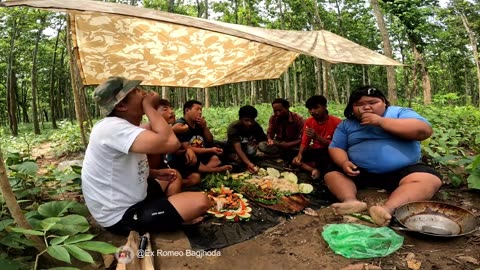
column 113, row 179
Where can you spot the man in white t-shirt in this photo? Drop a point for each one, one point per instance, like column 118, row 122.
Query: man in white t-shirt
column 120, row 191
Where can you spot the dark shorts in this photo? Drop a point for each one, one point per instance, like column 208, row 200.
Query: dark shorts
column 205, row 158
column 388, row 181
column 319, row 156
column 179, row 162
column 154, row 214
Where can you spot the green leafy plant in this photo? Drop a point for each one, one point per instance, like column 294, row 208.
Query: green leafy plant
column 473, row 169
column 64, row 235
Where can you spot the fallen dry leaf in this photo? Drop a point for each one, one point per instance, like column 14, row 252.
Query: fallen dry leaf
column 361, row 266
column 410, row 256
column 414, row 264
column 468, row 259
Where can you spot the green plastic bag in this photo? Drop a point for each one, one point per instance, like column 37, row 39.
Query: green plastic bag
column 360, row 242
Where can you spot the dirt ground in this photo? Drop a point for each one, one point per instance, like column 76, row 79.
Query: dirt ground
column 297, row 243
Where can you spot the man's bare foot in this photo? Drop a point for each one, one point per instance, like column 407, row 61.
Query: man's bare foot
column 380, row 215
column 349, row 207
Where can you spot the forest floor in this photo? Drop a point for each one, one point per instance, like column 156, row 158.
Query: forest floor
column 297, row 243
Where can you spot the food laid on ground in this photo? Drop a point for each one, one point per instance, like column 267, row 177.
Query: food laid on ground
column 269, row 188
column 241, row 176
column 229, row 205
column 277, row 191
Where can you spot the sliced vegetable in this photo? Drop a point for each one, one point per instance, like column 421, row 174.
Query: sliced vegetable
column 305, row 188
column 290, row 177
column 273, row 172
column 245, row 215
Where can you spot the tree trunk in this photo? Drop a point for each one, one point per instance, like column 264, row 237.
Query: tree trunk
column 75, row 86
column 164, row 92
column 295, row 83
column 317, row 25
column 14, row 208
column 207, row 98
column 364, row 75
column 238, row 88
column 334, row 88
column 391, row 82
column 11, row 82
column 52, row 81
column 286, row 85
column 303, row 89
column 318, row 75
column 206, row 9
column 253, row 93
column 171, row 6
column 473, row 42
column 325, row 77
column 264, row 90
column 280, row 88
column 468, row 97
column 36, row 126
column 427, row 88
column 414, row 84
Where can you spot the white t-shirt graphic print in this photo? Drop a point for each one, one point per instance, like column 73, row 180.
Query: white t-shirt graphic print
column 113, row 179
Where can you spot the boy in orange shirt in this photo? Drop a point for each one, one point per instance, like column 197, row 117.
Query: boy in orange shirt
column 319, row 129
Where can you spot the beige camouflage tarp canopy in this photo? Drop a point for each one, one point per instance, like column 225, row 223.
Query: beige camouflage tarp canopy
column 174, row 50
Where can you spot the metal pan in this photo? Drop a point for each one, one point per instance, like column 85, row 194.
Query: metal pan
column 436, row 219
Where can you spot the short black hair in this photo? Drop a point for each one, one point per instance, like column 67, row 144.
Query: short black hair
column 164, row 103
column 189, row 104
column 282, row 101
column 247, row 111
column 315, row 100
column 360, row 92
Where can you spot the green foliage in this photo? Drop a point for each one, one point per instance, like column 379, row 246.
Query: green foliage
column 474, row 170
column 64, row 232
column 62, row 224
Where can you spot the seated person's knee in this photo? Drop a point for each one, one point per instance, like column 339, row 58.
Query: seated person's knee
column 195, row 178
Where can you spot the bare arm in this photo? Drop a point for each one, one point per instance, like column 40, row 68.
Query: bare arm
column 238, row 149
column 207, row 135
column 298, row 159
column 250, row 166
column 180, row 128
column 405, row 128
column 340, row 157
column 159, row 140
column 197, row 150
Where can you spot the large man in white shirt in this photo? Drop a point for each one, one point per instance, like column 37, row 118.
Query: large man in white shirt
column 120, row 190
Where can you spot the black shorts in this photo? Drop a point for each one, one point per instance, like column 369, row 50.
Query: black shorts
column 179, row 162
column 153, row 214
column 205, row 158
column 388, row 181
column 319, row 156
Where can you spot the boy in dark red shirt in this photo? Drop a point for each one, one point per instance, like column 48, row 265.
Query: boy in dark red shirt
column 319, row 129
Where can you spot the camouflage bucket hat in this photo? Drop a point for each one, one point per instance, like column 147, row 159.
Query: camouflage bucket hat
column 108, row 94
